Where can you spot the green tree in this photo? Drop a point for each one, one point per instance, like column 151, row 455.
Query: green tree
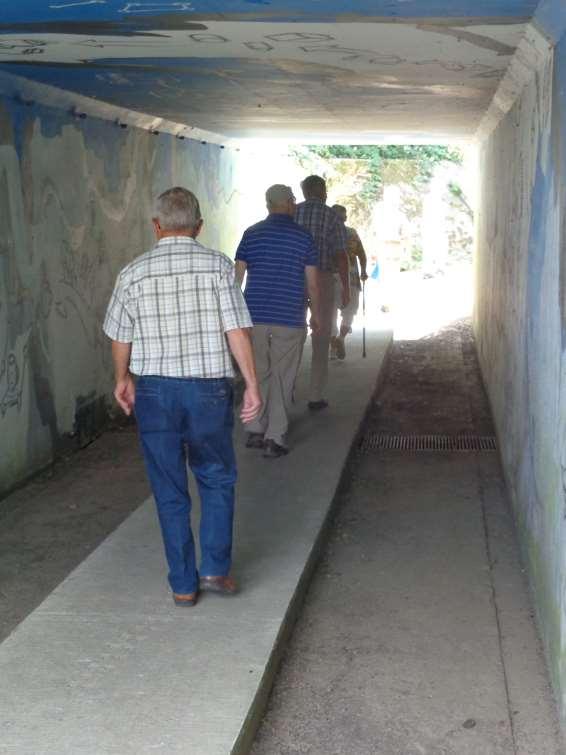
column 425, row 157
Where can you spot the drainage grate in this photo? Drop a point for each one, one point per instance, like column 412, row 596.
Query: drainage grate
column 381, row 442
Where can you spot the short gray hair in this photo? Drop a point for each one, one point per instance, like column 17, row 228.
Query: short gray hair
column 278, row 195
column 177, row 209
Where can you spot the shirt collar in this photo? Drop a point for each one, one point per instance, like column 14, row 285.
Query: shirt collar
column 176, row 240
column 279, row 217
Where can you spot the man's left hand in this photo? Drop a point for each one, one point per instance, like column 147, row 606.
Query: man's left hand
column 364, row 276
column 251, row 403
column 125, row 394
column 314, row 323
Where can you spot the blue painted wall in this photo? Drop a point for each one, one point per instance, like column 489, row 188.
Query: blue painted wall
column 75, row 206
column 76, row 201
column 550, row 17
column 175, row 89
column 172, row 88
column 238, row 57
column 520, row 322
column 113, row 10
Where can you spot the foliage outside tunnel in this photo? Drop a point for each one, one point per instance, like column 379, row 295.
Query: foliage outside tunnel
column 414, row 197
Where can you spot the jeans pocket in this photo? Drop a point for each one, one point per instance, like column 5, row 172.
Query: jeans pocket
column 147, row 386
column 216, row 392
column 151, row 415
column 143, row 392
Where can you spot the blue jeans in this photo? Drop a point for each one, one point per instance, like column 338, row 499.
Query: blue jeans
column 180, row 419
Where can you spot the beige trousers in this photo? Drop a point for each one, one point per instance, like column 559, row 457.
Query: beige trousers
column 277, row 351
column 321, row 341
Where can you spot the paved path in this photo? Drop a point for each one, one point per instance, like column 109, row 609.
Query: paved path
column 107, row 664
column 417, row 636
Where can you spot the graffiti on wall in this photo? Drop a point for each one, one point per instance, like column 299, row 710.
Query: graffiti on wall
column 520, row 318
column 12, row 378
column 216, row 76
column 356, row 43
column 63, row 243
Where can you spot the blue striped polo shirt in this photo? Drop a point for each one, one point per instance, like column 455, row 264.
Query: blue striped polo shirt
column 276, row 251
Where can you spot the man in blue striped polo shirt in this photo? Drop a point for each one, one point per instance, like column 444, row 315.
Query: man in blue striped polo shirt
column 279, row 258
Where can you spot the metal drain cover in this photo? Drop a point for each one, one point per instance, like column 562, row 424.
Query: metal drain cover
column 383, row 442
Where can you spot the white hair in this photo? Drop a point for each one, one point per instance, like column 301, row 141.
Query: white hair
column 177, row 209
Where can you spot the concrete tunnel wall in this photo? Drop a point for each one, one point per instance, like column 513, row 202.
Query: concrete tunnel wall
column 75, row 206
column 520, row 323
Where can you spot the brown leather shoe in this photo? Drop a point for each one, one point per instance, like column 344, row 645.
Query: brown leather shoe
column 223, row 585
column 188, row 600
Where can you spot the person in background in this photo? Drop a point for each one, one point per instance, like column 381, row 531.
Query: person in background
column 175, row 316
column 356, row 252
column 329, row 237
column 279, row 258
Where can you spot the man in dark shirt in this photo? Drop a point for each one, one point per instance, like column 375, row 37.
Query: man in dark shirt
column 279, row 257
column 330, row 240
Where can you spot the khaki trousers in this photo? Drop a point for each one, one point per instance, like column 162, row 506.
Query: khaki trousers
column 277, row 351
column 321, row 341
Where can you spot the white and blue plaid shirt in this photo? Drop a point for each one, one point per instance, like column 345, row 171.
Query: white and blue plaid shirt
column 174, row 304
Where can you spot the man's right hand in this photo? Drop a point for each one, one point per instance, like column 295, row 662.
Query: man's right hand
column 251, row 404
column 125, row 394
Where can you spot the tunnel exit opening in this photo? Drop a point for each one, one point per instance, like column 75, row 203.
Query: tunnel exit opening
column 413, row 207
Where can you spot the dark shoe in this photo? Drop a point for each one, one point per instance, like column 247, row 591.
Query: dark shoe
column 316, row 406
column 188, row 600
column 273, row 450
column 255, row 440
column 222, row 585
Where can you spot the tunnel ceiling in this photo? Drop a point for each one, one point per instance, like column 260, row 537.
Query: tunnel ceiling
column 302, row 68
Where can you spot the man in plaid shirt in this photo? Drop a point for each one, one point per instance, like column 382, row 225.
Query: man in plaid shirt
column 174, row 317
column 329, row 237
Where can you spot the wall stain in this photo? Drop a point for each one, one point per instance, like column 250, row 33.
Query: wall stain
column 69, row 225
column 13, row 373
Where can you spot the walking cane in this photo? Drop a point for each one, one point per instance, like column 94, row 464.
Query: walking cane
column 364, row 319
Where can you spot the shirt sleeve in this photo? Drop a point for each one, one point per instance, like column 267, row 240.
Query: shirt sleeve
column 233, row 308
column 242, row 250
column 118, row 323
column 341, row 241
column 337, row 236
column 311, row 257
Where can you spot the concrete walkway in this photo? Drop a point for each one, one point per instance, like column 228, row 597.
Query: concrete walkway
column 106, row 664
column 417, row 635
